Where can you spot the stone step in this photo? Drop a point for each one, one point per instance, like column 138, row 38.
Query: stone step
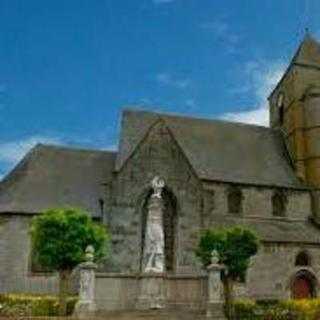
column 151, row 315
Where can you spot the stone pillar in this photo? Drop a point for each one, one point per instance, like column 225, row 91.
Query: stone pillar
column 215, row 301
column 86, row 305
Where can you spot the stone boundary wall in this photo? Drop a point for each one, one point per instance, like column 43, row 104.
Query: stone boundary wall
column 121, row 291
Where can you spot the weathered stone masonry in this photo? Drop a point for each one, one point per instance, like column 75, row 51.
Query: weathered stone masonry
column 216, row 174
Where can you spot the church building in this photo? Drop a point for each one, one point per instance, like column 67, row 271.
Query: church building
column 216, row 173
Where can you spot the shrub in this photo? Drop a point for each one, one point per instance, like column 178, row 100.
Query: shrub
column 235, row 246
column 308, row 309
column 305, row 309
column 32, row 305
column 246, row 309
column 60, row 237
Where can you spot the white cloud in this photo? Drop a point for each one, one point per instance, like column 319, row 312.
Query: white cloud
column 110, row 147
column 260, row 78
column 13, row 151
column 224, row 34
column 168, row 79
column 259, row 116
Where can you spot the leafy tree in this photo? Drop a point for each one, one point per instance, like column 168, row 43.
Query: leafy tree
column 235, row 246
column 59, row 239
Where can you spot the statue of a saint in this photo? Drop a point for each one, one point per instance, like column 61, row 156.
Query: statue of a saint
column 154, row 237
column 157, row 185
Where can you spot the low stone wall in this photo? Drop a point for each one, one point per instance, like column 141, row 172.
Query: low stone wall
column 121, row 291
column 37, row 284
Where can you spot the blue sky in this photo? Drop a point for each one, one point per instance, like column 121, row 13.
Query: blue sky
column 67, row 68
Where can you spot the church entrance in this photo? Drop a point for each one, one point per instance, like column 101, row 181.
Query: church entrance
column 303, row 285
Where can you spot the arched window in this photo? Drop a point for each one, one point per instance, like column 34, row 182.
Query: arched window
column 234, row 200
column 281, row 114
column 302, row 259
column 279, row 204
column 280, row 105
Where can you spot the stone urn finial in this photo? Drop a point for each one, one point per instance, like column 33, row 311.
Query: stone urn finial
column 89, row 255
column 215, row 257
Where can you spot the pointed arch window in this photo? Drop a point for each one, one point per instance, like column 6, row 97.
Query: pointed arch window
column 235, row 198
column 279, row 203
column 280, row 105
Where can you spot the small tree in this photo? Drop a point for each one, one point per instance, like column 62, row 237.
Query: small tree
column 235, row 245
column 59, row 239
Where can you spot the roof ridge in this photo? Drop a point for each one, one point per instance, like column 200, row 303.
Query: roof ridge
column 71, row 148
column 197, row 118
column 18, row 167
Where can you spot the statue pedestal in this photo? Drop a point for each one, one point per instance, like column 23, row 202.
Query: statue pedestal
column 86, row 306
column 214, row 307
column 152, row 292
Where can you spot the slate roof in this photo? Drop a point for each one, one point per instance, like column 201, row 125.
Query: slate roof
column 51, row 176
column 275, row 230
column 217, row 150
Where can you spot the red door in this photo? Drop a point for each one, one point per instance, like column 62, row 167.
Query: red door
column 302, row 288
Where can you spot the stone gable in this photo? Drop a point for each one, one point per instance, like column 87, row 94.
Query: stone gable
column 157, row 154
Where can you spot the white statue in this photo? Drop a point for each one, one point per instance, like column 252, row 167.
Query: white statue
column 154, row 237
column 157, row 185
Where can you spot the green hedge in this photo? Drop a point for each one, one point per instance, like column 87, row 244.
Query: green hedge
column 32, row 305
column 283, row 310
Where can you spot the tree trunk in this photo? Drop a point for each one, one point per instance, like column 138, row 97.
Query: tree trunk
column 64, row 277
column 228, row 292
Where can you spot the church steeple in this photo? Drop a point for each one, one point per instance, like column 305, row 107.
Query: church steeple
column 295, row 110
column 308, row 52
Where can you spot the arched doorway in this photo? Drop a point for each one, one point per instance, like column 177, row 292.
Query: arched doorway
column 303, row 285
column 169, row 225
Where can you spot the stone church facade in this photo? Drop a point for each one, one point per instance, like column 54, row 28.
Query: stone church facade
column 216, row 174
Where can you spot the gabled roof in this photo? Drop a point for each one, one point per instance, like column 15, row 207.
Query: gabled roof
column 51, row 176
column 217, row 150
column 275, row 230
column 308, row 52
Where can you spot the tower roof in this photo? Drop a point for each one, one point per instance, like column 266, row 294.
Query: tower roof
column 307, row 55
column 308, row 52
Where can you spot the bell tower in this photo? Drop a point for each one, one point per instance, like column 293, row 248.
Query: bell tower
column 295, row 110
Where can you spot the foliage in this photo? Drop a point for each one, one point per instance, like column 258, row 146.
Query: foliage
column 26, row 305
column 60, row 237
column 305, row 309
column 59, row 240
column 235, row 245
column 246, row 309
